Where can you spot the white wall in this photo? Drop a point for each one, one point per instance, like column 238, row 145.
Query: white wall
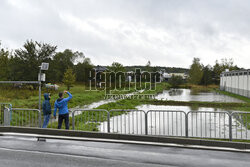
column 238, row 84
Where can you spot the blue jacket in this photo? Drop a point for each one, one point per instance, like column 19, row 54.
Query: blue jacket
column 62, row 105
column 46, row 105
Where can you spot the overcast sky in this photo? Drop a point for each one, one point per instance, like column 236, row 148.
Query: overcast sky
column 166, row 32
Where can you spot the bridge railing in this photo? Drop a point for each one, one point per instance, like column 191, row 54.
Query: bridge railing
column 208, row 124
column 128, row 121
column 166, row 122
column 240, row 125
column 200, row 124
column 26, row 117
column 90, row 120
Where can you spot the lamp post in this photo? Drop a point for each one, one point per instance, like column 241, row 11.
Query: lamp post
column 44, row 67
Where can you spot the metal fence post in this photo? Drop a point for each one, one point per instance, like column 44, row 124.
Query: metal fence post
column 230, row 127
column 73, row 120
column 6, row 116
column 146, row 123
column 40, row 119
column 186, row 124
column 108, row 121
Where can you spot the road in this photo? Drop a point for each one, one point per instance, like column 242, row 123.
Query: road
column 27, row 152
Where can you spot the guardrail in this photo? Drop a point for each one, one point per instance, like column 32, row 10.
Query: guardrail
column 196, row 124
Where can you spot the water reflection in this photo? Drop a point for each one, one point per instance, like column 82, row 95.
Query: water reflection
column 207, row 123
column 191, row 95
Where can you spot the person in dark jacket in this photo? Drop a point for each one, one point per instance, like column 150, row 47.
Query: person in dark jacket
column 62, row 105
column 46, row 109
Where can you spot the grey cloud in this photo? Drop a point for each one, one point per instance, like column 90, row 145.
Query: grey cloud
column 166, row 32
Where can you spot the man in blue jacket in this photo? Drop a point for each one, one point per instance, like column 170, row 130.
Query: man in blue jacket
column 62, row 105
column 46, row 109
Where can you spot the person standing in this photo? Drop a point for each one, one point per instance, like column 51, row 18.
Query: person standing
column 46, row 109
column 62, row 105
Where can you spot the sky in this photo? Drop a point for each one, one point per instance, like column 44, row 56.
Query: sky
column 165, row 32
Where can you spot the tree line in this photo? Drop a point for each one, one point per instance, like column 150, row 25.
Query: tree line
column 23, row 64
column 205, row 75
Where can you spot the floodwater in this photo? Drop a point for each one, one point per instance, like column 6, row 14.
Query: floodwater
column 207, row 123
column 99, row 103
column 190, row 95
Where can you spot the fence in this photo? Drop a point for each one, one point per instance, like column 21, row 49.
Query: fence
column 164, row 122
column 200, row 124
column 90, row 120
column 207, row 124
column 128, row 122
column 25, row 117
column 240, row 125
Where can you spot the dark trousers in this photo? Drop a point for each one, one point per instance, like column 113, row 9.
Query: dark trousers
column 64, row 117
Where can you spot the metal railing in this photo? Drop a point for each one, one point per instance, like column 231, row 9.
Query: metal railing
column 128, row 121
column 25, row 117
column 208, row 124
column 240, row 125
column 166, row 122
column 90, row 120
column 200, row 124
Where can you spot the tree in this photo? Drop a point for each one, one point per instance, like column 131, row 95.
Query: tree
column 175, row 81
column 30, row 58
column 69, row 78
column 81, row 70
column 148, row 65
column 195, row 72
column 207, row 75
column 116, row 67
column 61, row 62
column 4, row 61
column 218, row 68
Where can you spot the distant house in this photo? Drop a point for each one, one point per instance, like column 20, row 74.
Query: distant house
column 166, row 76
column 183, row 75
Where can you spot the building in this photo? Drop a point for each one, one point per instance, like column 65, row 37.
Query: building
column 166, row 76
column 237, row 82
column 183, row 75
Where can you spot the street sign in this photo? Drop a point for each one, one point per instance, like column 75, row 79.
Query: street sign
column 45, row 66
column 41, row 77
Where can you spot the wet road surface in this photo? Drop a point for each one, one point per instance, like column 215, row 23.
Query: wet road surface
column 26, row 152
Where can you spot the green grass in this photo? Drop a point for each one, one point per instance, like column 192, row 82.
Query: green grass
column 26, row 98
column 198, row 104
column 245, row 99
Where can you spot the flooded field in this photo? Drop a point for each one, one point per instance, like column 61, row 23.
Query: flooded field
column 190, row 95
column 207, row 123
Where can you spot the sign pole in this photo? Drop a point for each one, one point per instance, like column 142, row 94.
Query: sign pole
column 39, row 80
